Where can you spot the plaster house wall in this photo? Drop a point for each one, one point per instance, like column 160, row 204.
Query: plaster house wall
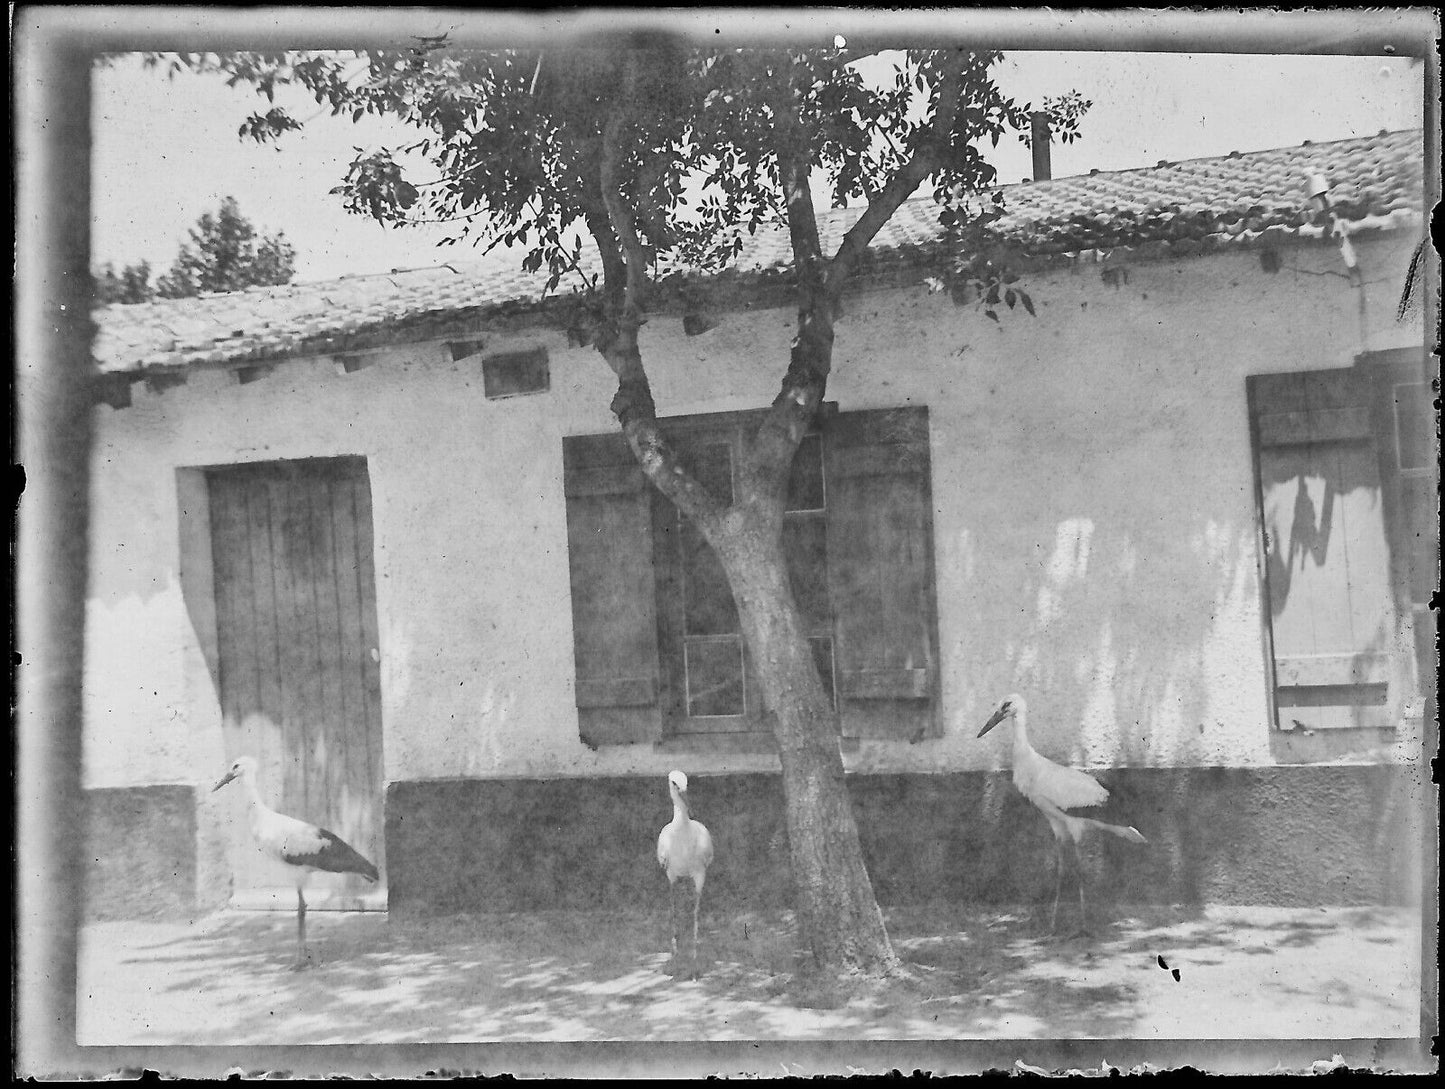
column 1095, row 523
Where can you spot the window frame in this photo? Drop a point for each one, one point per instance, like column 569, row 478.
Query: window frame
column 748, row 731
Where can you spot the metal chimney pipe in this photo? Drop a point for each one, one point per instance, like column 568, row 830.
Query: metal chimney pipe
column 1039, row 141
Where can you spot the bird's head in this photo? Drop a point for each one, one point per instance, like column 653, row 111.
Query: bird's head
column 240, row 767
column 677, row 786
column 1010, row 706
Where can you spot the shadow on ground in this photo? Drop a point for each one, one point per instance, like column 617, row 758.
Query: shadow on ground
column 1243, row 972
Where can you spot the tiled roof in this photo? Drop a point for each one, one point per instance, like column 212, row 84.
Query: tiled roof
column 1172, row 208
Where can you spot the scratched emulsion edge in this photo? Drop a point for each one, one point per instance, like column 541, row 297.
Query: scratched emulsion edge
column 1429, row 295
column 49, row 29
column 53, row 431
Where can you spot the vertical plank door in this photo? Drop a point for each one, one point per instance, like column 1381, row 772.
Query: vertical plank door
column 299, row 665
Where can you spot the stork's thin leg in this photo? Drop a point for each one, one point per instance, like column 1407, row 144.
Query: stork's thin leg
column 1058, row 881
column 1083, row 914
column 672, row 914
column 696, row 903
column 300, row 930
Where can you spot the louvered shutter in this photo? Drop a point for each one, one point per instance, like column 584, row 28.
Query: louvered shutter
column 880, row 570
column 614, row 613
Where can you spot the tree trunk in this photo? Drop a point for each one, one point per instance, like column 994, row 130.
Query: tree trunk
column 838, row 915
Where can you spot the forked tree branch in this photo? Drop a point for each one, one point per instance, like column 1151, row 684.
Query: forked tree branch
column 624, row 262
column 925, row 160
column 770, row 453
column 821, row 280
column 624, row 228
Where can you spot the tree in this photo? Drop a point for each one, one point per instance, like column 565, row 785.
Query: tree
column 223, row 255
column 655, row 149
column 132, row 284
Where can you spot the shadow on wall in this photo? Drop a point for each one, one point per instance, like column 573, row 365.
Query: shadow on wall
column 1337, row 508
column 1336, row 597
column 1309, row 537
column 1123, row 600
column 1122, row 635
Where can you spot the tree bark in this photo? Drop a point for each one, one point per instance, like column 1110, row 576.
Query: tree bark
column 838, row 914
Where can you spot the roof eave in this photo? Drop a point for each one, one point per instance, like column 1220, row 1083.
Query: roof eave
column 734, row 291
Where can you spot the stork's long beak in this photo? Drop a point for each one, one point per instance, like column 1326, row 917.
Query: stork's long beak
column 686, row 802
column 223, row 781
column 993, row 720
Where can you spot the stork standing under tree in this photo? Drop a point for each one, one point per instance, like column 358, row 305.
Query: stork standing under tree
column 684, row 850
column 304, row 847
column 1053, row 788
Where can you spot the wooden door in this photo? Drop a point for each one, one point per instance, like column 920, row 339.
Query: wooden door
column 299, row 664
column 1334, row 622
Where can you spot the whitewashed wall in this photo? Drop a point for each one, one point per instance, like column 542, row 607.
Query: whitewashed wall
column 1092, row 483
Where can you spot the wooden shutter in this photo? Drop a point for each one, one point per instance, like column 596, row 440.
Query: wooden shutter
column 614, row 617
column 1409, row 463
column 1333, row 621
column 880, row 571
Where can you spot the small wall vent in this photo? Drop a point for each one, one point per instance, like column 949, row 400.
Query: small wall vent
column 512, row 374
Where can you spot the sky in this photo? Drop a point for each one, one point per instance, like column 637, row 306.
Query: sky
column 164, row 151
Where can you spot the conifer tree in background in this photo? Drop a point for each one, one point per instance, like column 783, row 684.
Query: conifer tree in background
column 224, row 254
column 132, row 284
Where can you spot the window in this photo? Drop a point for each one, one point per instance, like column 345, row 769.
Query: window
column 659, row 652
column 1344, row 545
column 708, row 686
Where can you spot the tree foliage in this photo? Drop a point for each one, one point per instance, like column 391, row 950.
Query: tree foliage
column 514, row 137
column 224, row 254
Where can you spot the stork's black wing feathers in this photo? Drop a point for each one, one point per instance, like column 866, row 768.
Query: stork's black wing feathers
column 330, row 852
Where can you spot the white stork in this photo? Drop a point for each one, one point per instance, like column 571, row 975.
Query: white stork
column 1052, row 789
column 684, row 849
column 304, row 847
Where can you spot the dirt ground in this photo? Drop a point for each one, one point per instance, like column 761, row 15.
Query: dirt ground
column 1243, row 973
